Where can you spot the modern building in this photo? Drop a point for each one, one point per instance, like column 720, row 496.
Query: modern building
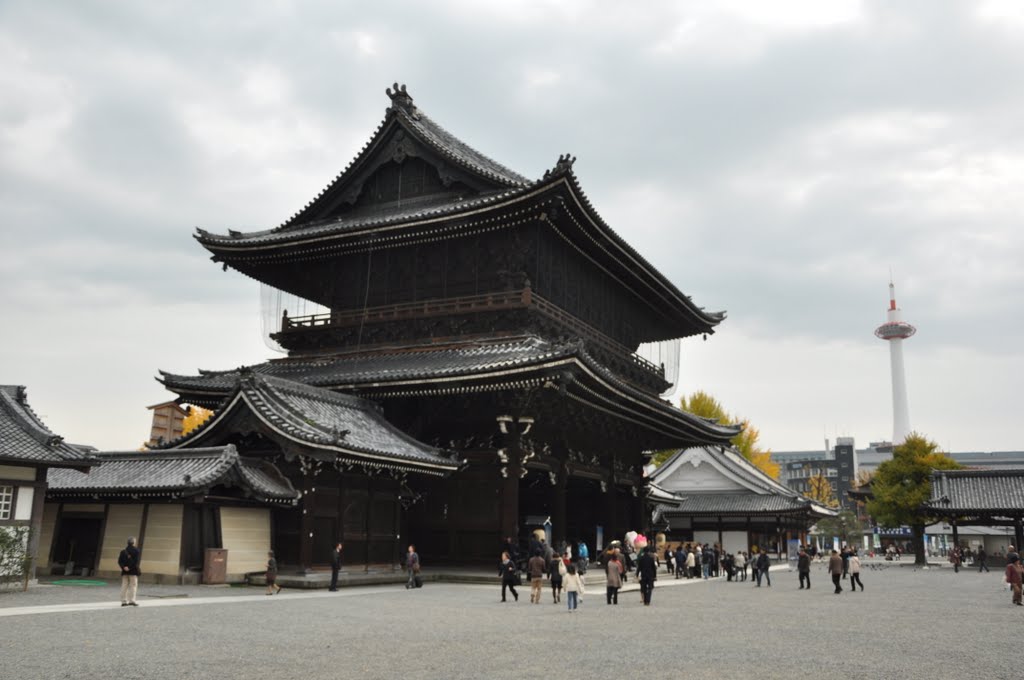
column 838, row 466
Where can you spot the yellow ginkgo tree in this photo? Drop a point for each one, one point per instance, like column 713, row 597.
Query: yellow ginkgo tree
column 746, row 442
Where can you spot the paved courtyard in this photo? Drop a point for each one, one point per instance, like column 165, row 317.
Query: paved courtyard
column 907, row 624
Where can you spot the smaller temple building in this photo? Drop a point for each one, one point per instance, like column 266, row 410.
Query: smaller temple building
column 715, row 495
column 176, row 503
column 28, row 450
column 979, row 498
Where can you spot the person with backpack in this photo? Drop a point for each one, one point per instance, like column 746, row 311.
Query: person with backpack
column 584, row 553
column 556, row 572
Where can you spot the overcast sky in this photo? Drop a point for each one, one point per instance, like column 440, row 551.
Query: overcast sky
column 773, row 159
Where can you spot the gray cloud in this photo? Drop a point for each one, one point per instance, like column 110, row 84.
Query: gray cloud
column 775, row 165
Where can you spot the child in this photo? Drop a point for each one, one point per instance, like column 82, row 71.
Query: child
column 272, row 586
column 573, row 585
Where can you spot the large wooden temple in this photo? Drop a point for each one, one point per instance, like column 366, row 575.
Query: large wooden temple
column 477, row 369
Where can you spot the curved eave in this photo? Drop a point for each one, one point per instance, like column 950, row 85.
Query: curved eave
column 607, row 249
column 328, row 234
column 280, row 427
column 619, row 249
column 604, row 392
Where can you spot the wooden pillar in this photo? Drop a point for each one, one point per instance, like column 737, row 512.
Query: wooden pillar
column 369, row 522
column 611, row 518
column 1018, row 532
column 638, row 516
column 956, row 534
column 306, row 533
column 559, row 481
column 511, row 470
column 721, row 544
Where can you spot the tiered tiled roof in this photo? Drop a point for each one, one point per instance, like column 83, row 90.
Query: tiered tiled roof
column 179, row 473
column 317, row 227
column 469, row 367
column 755, row 492
column 25, row 438
column 318, row 420
column 968, row 492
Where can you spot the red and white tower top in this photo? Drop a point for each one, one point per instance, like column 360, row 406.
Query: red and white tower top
column 895, row 330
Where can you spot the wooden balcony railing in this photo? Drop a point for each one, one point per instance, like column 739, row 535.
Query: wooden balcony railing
column 515, row 299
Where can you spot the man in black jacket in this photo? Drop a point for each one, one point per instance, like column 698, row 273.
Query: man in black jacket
column 335, row 566
column 647, row 572
column 128, row 560
column 803, row 565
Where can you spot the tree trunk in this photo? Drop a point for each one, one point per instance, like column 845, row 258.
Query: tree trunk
column 920, row 556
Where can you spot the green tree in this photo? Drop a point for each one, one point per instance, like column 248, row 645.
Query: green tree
column 845, row 526
column 746, row 442
column 903, row 485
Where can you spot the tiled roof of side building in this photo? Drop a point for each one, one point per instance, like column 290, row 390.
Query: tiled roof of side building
column 712, row 504
column 978, row 490
column 24, row 436
column 351, row 427
column 179, row 472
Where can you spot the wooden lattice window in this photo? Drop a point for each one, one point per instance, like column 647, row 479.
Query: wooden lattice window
column 6, row 501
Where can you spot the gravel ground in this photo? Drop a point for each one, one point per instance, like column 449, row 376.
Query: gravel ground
column 908, row 623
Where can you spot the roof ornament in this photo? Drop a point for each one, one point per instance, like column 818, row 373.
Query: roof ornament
column 400, row 98
column 563, row 166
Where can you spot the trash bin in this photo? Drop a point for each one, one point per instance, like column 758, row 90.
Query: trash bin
column 215, row 566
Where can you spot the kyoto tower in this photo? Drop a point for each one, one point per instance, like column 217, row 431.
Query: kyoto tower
column 895, row 330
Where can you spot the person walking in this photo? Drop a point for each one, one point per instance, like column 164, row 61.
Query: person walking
column 335, row 566
column 982, row 560
column 128, row 560
column 584, row 553
column 845, row 554
column 536, row 568
column 509, row 573
column 803, row 566
column 613, row 578
column 763, row 565
column 647, row 573
column 855, row 573
column 574, row 589
column 955, row 558
column 741, row 565
column 556, row 572
column 272, row 586
column 412, row 566
column 1013, row 576
column 835, row 569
